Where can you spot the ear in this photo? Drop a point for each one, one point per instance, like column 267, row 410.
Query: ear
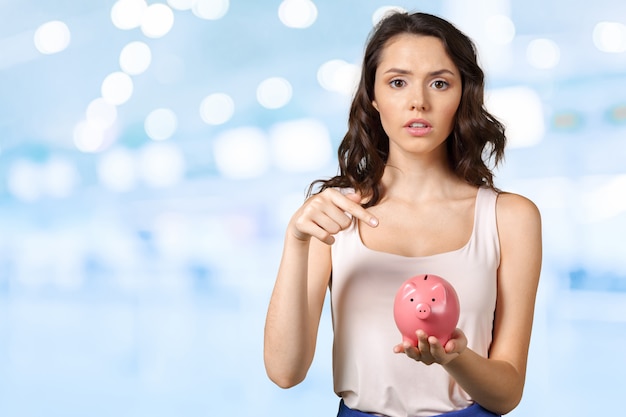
column 439, row 292
column 375, row 105
column 408, row 289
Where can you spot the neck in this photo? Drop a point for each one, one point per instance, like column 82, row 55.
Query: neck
column 420, row 181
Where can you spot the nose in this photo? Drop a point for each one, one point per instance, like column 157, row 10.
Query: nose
column 419, row 99
column 422, row 311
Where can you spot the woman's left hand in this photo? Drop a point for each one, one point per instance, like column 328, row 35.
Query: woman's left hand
column 429, row 350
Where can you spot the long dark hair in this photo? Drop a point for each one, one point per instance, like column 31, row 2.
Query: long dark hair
column 477, row 137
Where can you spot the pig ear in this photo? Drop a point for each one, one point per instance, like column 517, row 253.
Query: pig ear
column 408, row 288
column 439, row 292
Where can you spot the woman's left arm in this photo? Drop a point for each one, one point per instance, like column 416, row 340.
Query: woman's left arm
column 497, row 383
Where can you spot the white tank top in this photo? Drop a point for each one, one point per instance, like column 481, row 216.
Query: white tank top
column 367, row 374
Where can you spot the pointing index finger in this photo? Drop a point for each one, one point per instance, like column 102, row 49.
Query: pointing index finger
column 354, row 208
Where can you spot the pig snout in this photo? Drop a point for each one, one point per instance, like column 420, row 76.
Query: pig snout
column 422, row 311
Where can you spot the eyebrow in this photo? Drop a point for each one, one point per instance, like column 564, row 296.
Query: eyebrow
column 430, row 74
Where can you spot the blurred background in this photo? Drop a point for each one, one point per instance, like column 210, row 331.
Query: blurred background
column 151, row 154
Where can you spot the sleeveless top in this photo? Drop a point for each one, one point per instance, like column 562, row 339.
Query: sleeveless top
column 367, row 374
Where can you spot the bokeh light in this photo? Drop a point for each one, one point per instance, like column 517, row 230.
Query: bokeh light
column 181, row 4
column 52, row 37
column 299, row 14
column 610, row 37
column 90, row 136
column 135, row 58
column 521, row 111
column 274, row 93
column 117, row 170
column 499, row 29
column 301, row 145
column 607, row 200
column 128, row 14
column 617, row 114
column 339, row 76
column 157, row 20
column 217, row 109
column 242, row 153
column 23, row 180
column 59, row 177
column 101, row 113
column 161, row 165
column 117, row 88
column 210, row 9
column 543, row 53
column 161, row 124
column 29, row 181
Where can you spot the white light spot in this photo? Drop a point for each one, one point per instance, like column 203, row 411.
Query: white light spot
column 89, row 136
column 181, row 4
column 607, row 200
column 610, row 37
column 59, row 177
column 117, row 88
column 242, row 153
column 217, row 109
column 135, row 58
column 161, row 165
column 101, row 113
column 384, row 11
column 543, row 53
column 297, row 14
column 52, row 37
column 161, row 124
column 499, row 29
column 210, row 9
column 301, row 145
column 157, row 21
column 23, row 181
column 521, row 111
column 116, row 170
column 339, row 76
column 274, row 93
column 128, row 14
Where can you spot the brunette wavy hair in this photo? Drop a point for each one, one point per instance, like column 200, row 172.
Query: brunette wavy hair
column 476, row 139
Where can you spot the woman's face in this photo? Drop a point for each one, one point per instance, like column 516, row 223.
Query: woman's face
column 417, row 91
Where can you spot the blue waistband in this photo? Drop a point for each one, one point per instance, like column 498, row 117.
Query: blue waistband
column 474, row 410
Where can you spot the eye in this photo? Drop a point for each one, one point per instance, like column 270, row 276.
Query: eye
column 411, row 300
column 433, row 300
column 397, row 83
column 440, row 85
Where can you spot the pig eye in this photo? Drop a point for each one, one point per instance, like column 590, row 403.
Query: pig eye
column 433, row 300
column 411, row 300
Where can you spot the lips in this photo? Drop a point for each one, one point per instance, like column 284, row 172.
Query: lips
column 418, row 127
column 417, row 123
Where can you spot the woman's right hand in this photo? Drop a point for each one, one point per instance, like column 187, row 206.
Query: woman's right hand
column 327, row 213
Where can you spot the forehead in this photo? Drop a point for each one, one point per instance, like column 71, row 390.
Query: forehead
column 415, row 52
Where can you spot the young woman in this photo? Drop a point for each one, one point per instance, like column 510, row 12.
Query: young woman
column 414, row 195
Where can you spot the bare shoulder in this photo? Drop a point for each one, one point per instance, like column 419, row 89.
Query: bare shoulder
column 516, row 208
column 517, row 216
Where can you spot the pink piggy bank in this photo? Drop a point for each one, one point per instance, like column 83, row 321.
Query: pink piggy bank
column 426, row 302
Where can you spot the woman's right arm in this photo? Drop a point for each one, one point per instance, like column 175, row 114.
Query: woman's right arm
column 297, row 299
